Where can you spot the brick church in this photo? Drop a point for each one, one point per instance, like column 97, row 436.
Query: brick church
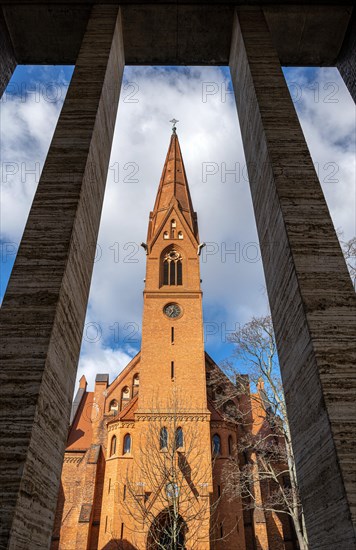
column 144, row 457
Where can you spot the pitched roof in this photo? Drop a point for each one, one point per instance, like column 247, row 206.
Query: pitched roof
column 120, row 377
column 128, row 412
column 173, row 189
column 81, row 432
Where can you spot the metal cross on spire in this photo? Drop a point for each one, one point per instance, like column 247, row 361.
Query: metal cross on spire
column 174, row 122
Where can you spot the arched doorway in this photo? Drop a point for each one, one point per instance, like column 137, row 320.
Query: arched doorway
column 167, row 532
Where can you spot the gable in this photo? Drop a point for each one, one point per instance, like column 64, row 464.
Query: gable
column 124, row 388
column 81, row 432
column 173, row 212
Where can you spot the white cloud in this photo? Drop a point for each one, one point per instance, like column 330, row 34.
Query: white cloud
column 328, row 118
column 27, row 124
column 101, row 359
column 233, row 284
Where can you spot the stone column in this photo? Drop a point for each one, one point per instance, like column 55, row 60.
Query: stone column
column 309, row 288
column 43, row 312
column 7, row 55
column 346, row 62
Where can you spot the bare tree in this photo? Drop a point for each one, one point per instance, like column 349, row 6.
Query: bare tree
column 265, row 440
column 349, row 251
column 168, row 486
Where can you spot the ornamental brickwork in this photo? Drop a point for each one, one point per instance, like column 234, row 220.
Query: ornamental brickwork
column 153, row 439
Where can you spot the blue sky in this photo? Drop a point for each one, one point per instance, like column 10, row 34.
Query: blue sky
column 201, row 98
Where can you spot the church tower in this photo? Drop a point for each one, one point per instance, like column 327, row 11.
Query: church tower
column 145, row 454
column 171, row 443
column 172, row 349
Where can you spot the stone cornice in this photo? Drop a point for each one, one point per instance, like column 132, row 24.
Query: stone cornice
column 166, row 416
column 73, row 459
column 115, row 426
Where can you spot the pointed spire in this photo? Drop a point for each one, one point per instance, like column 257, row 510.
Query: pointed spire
column 173, row 189
column 83, row 383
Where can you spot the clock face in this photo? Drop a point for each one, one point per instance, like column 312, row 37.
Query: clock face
column 172, row 310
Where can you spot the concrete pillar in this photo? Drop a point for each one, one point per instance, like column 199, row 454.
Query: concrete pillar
column 310, row 291
column 43, row 312
column 7, row 55
column 346, row 62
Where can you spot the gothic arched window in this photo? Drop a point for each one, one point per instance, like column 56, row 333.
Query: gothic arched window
column 127, row 444
column 172, row 268
column 179, row 441
column 163, row 438
column 135, row 385
column 230, row 410
column 113, row 445
column 125, row 396
column 216, row 444
column 230, row 445
column 114, row 406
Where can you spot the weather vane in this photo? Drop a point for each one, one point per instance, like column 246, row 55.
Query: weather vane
column 174, row 122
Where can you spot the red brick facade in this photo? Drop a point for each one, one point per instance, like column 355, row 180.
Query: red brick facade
column 112, row 427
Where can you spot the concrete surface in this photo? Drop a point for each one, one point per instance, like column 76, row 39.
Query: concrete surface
column 311, row 296
column 43, row 312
